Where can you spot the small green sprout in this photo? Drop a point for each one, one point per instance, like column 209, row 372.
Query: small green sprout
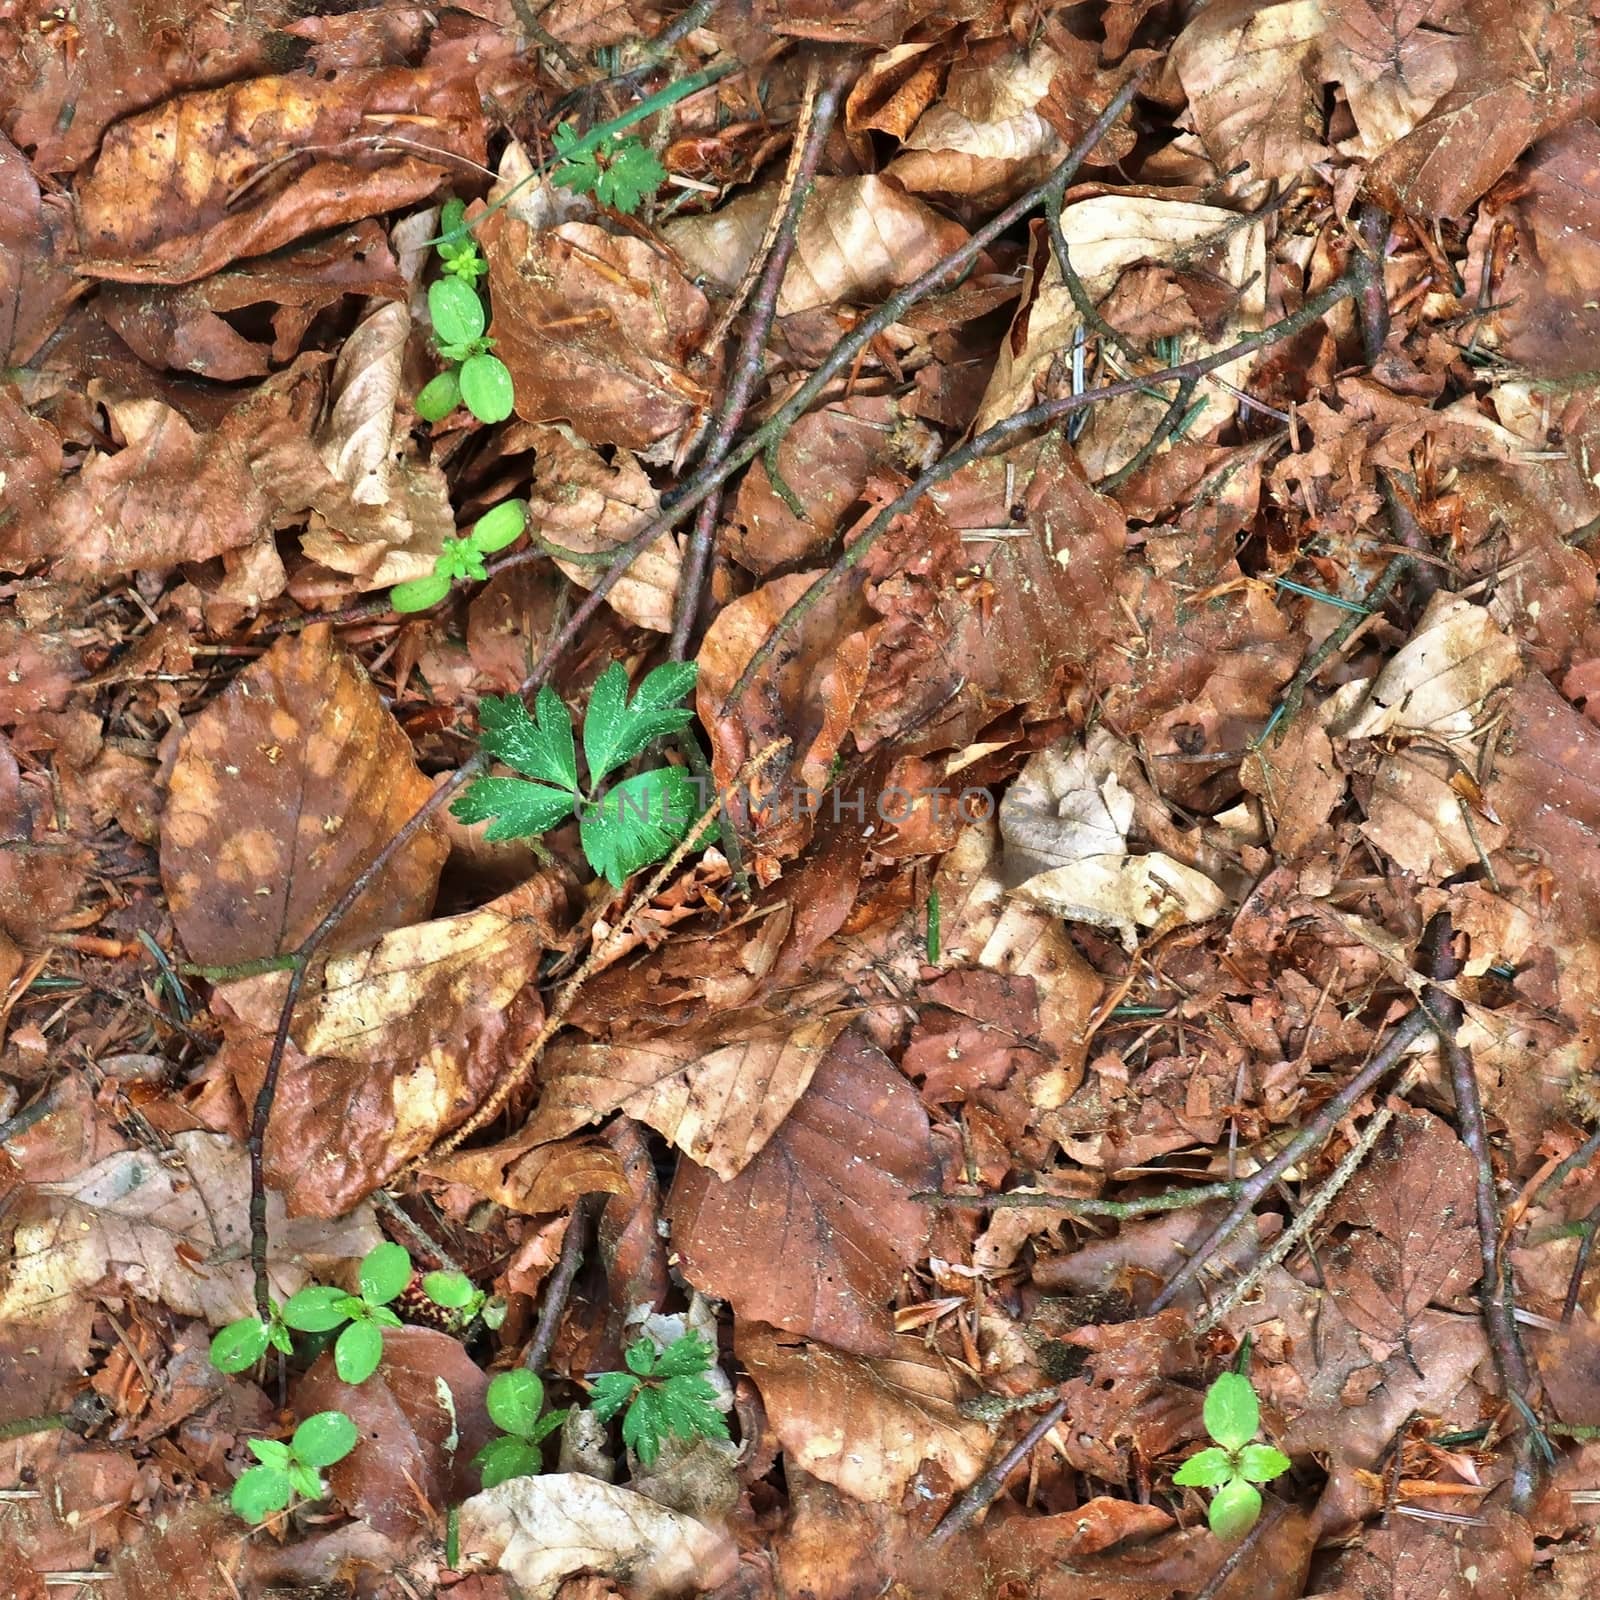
column 474, row 377
column 618, row 172
column 320, row 1308
column 632, row 824
column 666, row 1393
column 1234, row 1465
column 463, row 558
column 514, row 1402
column 286, row 1470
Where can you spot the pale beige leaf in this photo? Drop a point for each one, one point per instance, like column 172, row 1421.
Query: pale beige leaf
column 718, row 1098
column 1065, row 823
column 865, row 1425
column 1299, row 782
column 177, row 1233
column 1424, row 824
column 859, row 238
column 580, row 502
column 357, row 438
column 1438, row 680
column 1249, row 70
column 1108, row 234
column 539, row 1531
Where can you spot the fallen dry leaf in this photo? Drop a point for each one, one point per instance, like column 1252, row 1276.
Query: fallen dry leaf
column 815, row 1234
column 539, row 1531
column 286, row 787
column 866, row 1426
column 718, row 1097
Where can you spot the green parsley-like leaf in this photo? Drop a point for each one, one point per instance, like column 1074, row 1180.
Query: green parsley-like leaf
column 357, row 1352
column 259, row 1492
column 468, row 266
column 507, row 1457
column 578, row 170
column 487, row 388
column 324, row 1438
column 452, row 1290
column 1234, row 1509
column 540, row 746
column 1260, row 1463
column 239, row 1345
column 610, row 1391
column 645, row 1425
column 457, row 312
column 689, row 1404
column 686, row 1356
column 385, row 1271
column 1232, row 1414
column 628, row 174
column 306, row 1480
column 515, row 1400
column 317, row 1308
column 513, row 808
column 640, row 1356
column 1207, row 1470
column 638, row 822
column 439, row 396
column 270, row 1452
column 615, row 729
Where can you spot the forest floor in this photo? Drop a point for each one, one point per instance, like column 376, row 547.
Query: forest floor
column 800, row 800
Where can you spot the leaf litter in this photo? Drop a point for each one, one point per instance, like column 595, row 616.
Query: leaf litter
column 1085, row 521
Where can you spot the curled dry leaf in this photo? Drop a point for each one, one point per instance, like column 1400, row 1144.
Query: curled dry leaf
column 866, row 1426
column 286, row 786
column 985, row 139
column 1299, row 783
column 540, row 1531
column 181, row 190
column 859, row 238
column 175, row 491
column 1108, row 234
column 1065, row 823
column 1395, row 61
column 399, row 1043
column 814, row 1235
column 581, row 502
column 422, row 1419
column 718, row 1097
column 178, row 1234
column 599, row 331
column 526, row 1174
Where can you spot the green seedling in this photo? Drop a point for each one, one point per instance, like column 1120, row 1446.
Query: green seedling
column 474, row 377
column 463, row 558
column 320, row 1308
column 514, row 1403
column 618, row 172
column 286, row 1470
column 666, row 1393
column 635, row 822
column 1234, row 1464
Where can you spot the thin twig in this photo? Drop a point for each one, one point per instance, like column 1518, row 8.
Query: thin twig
column 559, row 1289
column 1309, row 1139
column 1580, row 1157
column 1170, row 419
column 1244, row 1547
column 1495, row 1294
column 1569, row 1306
column 1084, row 1205
column 1372, row 299
column 987, row 1488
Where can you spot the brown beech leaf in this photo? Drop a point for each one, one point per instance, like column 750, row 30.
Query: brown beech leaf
column 1415, row 1199
column 526, row 1174
column 540, row 1531
column 1298, row 781
column 181, row 190
column 814, row 1235
column 858, row 239
column 598, row 331
column 1394, row 58
column 37, row 244
column 421, row 1418
column 581, row 502
column 177, row 1233
column 286, row 786
column 865, row 1425
column 1249, row 70
column 894, row 89
column 718, row 1096
column 175, row 491
column 41, row 870
column 399, row 1043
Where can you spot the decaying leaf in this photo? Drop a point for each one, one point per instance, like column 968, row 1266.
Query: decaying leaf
column 719, row 1098
column 540, row 1531
column 286, row 787
column 1065, row 823
column 814, row 1234
column 177, row 1233
column 399, row 1042
column 866, row 1426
